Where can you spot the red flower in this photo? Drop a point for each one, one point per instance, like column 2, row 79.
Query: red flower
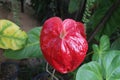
column 63, row 43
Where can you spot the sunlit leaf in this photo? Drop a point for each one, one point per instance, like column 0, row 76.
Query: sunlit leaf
column 89, row 71
column 31, row 50
column 11, row 37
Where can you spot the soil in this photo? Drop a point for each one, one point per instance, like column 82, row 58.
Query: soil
column 27, row 19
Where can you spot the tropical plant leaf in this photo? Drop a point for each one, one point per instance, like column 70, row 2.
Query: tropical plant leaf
column 11, row 37
column 101, row 50
column 104, row 43
column 97, row 53
column 108, row 70
column 89, row 71
column 31, row 50
column 112, row 65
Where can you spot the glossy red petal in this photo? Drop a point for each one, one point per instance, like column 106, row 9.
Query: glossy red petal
column 82, row 29
column 49, row 34
column 62, row 44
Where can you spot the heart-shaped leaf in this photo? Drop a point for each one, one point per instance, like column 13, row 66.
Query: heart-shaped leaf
column 62, row 40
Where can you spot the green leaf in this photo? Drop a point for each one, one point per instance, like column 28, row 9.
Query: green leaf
column 116, row 44
column 73, row 6
column 31, row 50
column 89, row 71
column 111, row 65
column 95, row 48
column 104, row 43
column 109, row 57
column 11, row 37
column 100, row 51
column 96, row 55
column 108, row 70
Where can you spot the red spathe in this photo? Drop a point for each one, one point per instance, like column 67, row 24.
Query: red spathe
column 63, row 43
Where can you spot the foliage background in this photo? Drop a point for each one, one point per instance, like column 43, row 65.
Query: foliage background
column 101, row 17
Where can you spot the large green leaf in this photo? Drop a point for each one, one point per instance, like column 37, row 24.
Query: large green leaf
column 11, row 37
column 89, row 71
column 31, row 50
column 111, row 65
column 109, row 70
column 109, row 57
column 73, row 6
column 116, row 44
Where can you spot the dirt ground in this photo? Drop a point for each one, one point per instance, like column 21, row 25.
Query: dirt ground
column 26, row 19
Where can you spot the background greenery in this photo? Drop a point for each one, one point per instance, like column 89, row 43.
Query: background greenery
column 101, row 18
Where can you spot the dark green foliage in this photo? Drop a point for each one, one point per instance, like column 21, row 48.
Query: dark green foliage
column 116, row 44
column 101, row 11
column 73, row 5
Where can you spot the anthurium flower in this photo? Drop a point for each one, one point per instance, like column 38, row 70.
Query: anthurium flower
column 63, row 43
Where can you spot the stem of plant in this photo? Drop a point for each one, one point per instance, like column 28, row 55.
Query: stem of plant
column 89, row 53
column 52, row 74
